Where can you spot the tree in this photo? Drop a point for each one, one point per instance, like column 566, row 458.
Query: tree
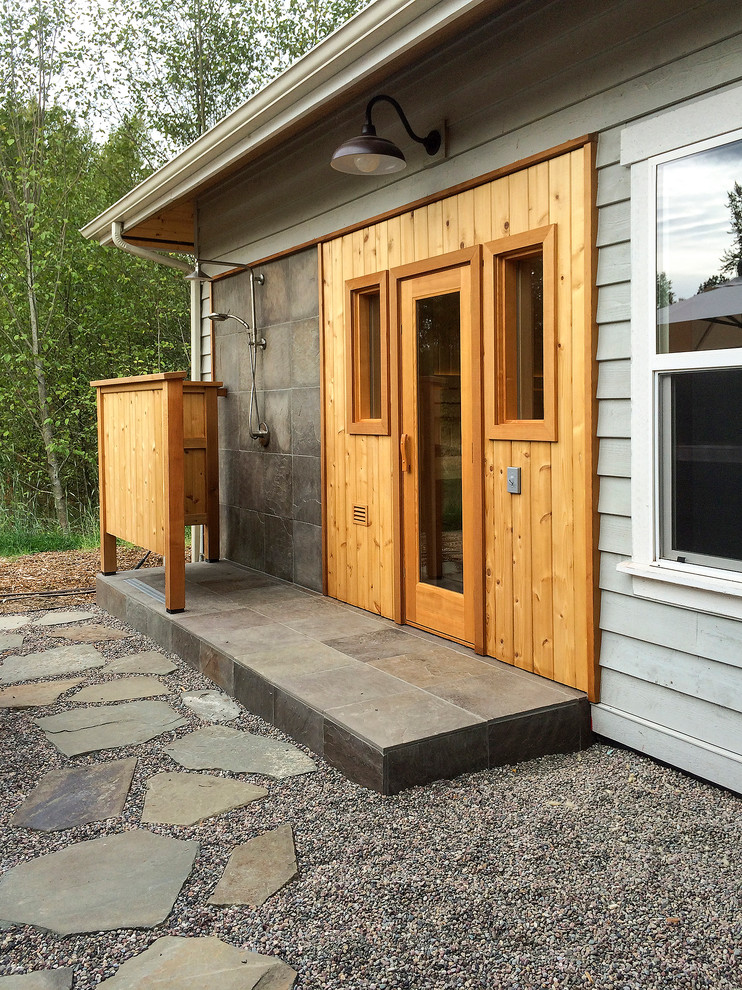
column 665, row 294
column 731, row 260
column 188, row 63
column 38, row 148
column 69, row 311
column 98, row 313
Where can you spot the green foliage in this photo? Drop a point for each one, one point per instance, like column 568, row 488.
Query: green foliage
column 190, row 62
column 101, row 314
column 71, row 311
column 41, row 536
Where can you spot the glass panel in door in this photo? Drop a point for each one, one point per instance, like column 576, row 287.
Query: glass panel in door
column 440, row 522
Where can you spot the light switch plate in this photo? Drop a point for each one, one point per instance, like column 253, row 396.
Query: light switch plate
column 514, row 480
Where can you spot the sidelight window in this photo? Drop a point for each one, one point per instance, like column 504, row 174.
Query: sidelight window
column 367, row 344
column 520, row 387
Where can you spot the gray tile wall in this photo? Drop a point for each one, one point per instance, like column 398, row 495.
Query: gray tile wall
column 270, row 496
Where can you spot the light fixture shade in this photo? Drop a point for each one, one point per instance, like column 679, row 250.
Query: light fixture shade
column 368, row 154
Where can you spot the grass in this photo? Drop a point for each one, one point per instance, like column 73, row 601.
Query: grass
column 21, row 535
column 43, row 535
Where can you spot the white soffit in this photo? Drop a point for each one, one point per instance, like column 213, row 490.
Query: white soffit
column 378, row 34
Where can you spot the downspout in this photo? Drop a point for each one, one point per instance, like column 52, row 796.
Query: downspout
column 162, row 259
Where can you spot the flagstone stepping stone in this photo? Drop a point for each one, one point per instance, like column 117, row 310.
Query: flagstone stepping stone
column 124, row 689
column 212, row 706
column 66, row 798
column 42, row 979
column 174, row 963
column 10, row 622
column 35, row 695
column 142, row 663
column 56, row 618
column 60, row 660
column 10, row 641
column 257, row 869
column 86, row 730
column 90, row 632
column 187, row 798
column 219, row 747
column 117, row 881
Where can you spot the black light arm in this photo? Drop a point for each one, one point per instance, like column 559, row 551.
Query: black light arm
column 431, row 142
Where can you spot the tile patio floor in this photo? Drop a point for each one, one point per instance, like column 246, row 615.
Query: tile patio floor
column 390, row 706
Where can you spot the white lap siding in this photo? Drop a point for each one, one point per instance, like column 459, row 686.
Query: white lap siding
column 671, row 678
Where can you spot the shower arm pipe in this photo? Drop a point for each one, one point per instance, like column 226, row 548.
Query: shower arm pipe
column 117, row 229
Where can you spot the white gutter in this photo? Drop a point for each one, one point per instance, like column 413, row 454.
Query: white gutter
column 162, row 259
column 371, row 39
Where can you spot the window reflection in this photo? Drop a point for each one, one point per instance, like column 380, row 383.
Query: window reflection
column 699, row 251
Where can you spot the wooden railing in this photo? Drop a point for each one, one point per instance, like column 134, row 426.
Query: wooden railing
column 159, row 470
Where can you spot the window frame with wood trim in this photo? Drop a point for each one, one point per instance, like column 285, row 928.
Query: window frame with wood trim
column 500, row 339
column 360, row 382
column 660, row 570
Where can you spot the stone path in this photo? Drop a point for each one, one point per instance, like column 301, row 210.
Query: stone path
column 179, row 963
column 124, row 689
column 8, row 622
column 211, row 706
column 10, row 641
column 131, row 879
column 35, row 695
column 189, row 798
column 43, row 979
column 218, row 747
column 94, row 632
column 141, row 663
column 257, row 869
column 117, row 881
column 86, row 730
column 48, row 663
column 59, row 618
column 66, row 798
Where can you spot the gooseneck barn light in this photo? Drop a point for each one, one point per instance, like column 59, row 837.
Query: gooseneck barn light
column 368, row 154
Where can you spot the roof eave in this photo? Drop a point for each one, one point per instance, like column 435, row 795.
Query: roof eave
column 383, row 31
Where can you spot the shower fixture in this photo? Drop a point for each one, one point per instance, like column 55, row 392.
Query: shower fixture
column 262, row 434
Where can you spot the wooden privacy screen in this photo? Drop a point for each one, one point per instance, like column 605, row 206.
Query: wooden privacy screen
column 158, row 469
column 536, row 548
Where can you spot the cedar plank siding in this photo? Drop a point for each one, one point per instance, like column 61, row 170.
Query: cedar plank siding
column 514, row 86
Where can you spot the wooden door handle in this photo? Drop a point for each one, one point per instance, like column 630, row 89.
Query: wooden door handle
column 403, row 452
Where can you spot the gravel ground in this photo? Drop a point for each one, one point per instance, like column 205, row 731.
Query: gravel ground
column 599, row 869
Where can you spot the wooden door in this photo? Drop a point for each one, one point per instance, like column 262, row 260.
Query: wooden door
column 441, row 481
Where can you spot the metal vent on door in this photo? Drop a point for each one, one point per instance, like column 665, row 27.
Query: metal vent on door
column 360, row 515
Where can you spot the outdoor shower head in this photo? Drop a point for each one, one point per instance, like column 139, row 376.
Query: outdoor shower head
column 221, row 317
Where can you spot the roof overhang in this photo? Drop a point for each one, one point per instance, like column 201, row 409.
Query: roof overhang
column 159, row 212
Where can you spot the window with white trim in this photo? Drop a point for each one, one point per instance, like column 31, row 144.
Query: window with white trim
column 687, row 357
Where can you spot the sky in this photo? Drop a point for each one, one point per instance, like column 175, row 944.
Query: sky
column 694, row 224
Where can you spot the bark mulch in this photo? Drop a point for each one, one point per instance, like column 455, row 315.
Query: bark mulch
column 60, row 570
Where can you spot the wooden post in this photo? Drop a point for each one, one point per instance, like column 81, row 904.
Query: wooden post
column 107, row 540
column 211, row 533
column 172, row 417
